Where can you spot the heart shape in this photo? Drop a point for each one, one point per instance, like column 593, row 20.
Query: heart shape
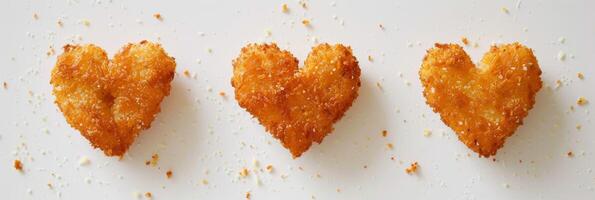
column 482, row 105
column 297, row 106
column 111, row 101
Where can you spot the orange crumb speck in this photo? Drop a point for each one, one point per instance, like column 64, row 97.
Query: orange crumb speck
column 186, row 73
column 244, row 172
column 154, row 160
column 284, row 8
column 148, row 195
column 269, row 168
column 389, row 145
column 248, row 195
column 222, row 93
column 169, row 174
column 580, row 75
column 384, row 133
column 581, row 101
column 306, row 22
column 412, row 169
column 18, row 165
column 158, row 16
column 465, row 41
column 570, row 154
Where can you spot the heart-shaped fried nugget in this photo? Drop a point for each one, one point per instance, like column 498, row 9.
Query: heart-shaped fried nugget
column 297, row 106
column 484, row 105
column 111, row 101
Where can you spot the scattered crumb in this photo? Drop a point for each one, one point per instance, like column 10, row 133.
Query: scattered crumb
column 205, row 182
column 581, row 101
column 378, row 85
column 222, row 93
column 169, row 174
column 381, row 27
column 244, row 172
column 412, row 169
column 389, row 146
column 60, row 23
column 51, row 51
column 154, row 160
column 465, row 41
column 384, row 133
column 158, row 16
column 148, row 195
column 578, row 127
column 427, row 132
column 561, row 56
column 303, row 4
column 84, row 161
column 5, row 85
column 35, row 16
column 85, row 22
column 284, row 8
column 561, row 40
column 570, row 154
column 580, row 75
column 269, row 168
column 306, row 22
column 248, row 195
column 505, row 10
column 18, row 165
column 186, row 73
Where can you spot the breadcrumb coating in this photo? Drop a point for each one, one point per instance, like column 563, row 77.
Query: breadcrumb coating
column 297, row 106
column 111, row 101
column 484, row 105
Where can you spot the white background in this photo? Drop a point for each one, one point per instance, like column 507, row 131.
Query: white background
column 202, row 136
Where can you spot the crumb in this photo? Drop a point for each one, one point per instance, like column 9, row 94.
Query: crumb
column 580, row 75
column 154, row 160
column 284, row 8
column 303, row 4
column 5, row 85
column 169, row 174
column 244, row 172
column 248, row 195
column 35, row 16
column 51, row 51
column 578, row 127
column 427, row 132
column 148, row 195
column 378, row 85
column 389, row 145
column 60, row 23
column 84, row 161
column 381, row 27
column 384, row 133
column 50, row 186
column 338, row 189
column 18, row 165
column 570, row 154
column 581, row 101
column 186, row 73
column 269, row 168
column 306, row 22
column 561, row 56
column 370, row 58
column 222, row 93
column 505, row 10
column 412, row 169
column 205, row 182
column 158, row 16
column 465, row 41
column 85, row 22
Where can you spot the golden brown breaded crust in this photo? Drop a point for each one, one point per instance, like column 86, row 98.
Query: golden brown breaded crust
column 484, row 105
column 297, row 106
column 110, row 102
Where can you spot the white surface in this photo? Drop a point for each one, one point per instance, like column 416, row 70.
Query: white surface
column 200, row 135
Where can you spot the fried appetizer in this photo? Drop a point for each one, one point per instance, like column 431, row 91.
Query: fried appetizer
column 297, row 106
column 484, row 105
column 111, row 101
